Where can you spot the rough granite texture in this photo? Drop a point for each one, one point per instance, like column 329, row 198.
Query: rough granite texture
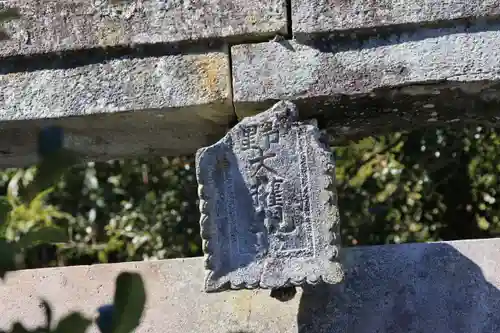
column 319, row 16
column 269, row 215
column 443, row 74
column 55, row 25
column 437, row 287
column 167, row 105
column 353, row 84
column 289, row 70
column 115, row 86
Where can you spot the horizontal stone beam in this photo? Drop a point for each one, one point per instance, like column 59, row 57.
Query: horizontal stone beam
column 55, row 25
column 443, row 287
column 426, row 77
column 154, row 77
column 322, row 16
column 168, row 105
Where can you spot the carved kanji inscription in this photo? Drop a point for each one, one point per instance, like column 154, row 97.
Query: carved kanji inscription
column 268, row 208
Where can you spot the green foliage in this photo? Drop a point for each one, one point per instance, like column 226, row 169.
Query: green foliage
column 130, row 210
column 49, row 170
column 425, row 185
column 25, row 225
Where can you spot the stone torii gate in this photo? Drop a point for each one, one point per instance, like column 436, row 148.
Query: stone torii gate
column 157, row 77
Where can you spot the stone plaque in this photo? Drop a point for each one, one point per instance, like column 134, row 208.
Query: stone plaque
column 268, row 204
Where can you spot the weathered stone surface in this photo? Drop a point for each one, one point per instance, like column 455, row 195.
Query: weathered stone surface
column 54, row 25
column 438, row 287
column 426, row 77
column 175, row 304
column 268, row 71
column 268, row 205
column 317, row 16
column 167, row 105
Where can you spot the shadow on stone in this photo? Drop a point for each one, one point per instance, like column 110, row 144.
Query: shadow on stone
column 367, row 38
column 404, row 288
column 239, row 203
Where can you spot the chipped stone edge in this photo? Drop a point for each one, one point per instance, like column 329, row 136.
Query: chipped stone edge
column 205, row 222
column 321, row 141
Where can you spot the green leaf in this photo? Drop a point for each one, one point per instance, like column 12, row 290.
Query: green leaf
column 39, row 200
column 7, row 257
column 49, row 171
column 129, row 302
column 73, row 323
column 102, row 256
column 43, row 235
column 13, row 188
column 48, row 314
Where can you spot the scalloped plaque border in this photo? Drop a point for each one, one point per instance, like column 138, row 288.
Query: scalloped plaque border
column 334, row 272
